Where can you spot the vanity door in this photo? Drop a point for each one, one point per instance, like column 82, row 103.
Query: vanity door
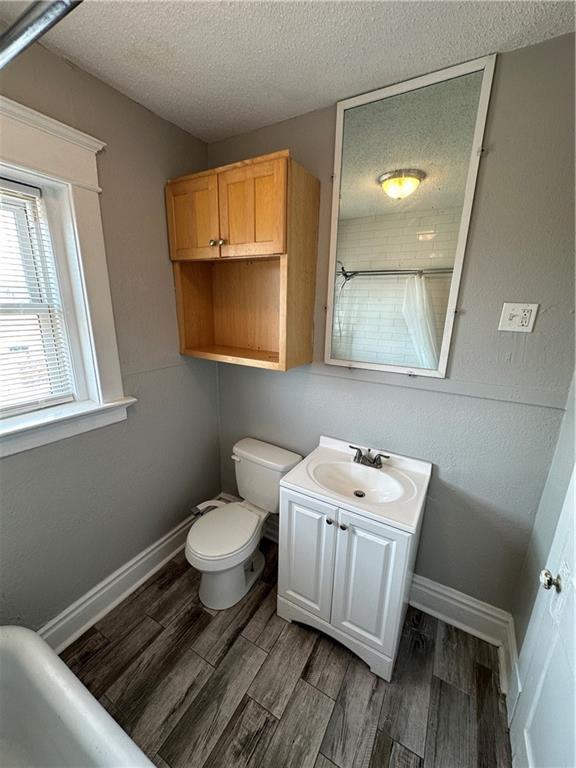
column 368, row 588
column 306, row 552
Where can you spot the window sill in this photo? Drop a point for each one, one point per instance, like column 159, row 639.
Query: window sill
column 30, row 430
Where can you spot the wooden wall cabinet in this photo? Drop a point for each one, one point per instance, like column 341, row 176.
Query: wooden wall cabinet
column 243, row 241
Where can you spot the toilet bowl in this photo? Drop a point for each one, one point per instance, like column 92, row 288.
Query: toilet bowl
column 223, row 543
column 223, row 546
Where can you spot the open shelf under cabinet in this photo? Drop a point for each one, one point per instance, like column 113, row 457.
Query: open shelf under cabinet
column 230, row 310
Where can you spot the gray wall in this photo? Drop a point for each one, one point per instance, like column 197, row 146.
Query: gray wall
column 490, row 428
column 545, row 523
column 75, row 510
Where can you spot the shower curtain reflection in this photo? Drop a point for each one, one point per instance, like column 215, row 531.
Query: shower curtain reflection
column 419, row 317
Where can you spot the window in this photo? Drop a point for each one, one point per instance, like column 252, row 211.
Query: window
column 59, row 367
column 35, row 362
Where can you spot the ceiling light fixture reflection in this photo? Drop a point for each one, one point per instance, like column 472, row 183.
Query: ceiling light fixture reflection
column 401, row 183
column 428, row 234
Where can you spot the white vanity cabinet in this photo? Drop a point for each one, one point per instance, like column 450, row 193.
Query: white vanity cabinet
column 345, row 574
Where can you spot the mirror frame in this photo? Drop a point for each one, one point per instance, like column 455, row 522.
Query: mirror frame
column 485, row 65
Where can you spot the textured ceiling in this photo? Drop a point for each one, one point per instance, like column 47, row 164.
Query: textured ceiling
column 430, row 129
column 224, row 68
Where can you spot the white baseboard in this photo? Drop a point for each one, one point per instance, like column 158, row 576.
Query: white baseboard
column 60, row 631
column 480, row 619
column 473, row 616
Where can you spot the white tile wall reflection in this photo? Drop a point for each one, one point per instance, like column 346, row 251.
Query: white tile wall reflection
column 368, row 321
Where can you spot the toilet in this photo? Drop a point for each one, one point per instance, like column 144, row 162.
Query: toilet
column 223, row 543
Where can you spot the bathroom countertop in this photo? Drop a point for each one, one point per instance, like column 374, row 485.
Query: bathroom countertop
column 410, row 475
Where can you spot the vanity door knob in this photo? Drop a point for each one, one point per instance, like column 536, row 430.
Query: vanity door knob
column 212, row 243
column 329, row 521
column 343, row 527
column 221, row 241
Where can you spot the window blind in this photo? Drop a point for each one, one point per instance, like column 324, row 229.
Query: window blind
column 35, row 364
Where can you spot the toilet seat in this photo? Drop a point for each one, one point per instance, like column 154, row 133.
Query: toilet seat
column 225, row 536
column 224, row 530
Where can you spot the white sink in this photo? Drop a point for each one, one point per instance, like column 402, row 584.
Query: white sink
column 358, row 482
column 395, row 493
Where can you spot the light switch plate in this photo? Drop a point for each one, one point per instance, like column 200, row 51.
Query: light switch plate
column 518, row 317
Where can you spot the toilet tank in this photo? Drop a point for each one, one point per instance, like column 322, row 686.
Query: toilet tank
column 259, row 468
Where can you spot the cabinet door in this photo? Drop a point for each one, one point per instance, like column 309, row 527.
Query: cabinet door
column 252, row 202
column 368, row 580
column 306, row 552
column 192, row 207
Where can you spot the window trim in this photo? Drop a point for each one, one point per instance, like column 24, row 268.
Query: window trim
column 62, row 161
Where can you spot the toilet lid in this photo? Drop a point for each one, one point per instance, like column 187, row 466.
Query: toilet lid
column 223, row 530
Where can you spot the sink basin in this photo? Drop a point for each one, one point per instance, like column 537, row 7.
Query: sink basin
column 395, row 493
column 361, row 483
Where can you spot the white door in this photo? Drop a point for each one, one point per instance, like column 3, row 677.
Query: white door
column 543, row 727
column 306, row 552
column 370, row 560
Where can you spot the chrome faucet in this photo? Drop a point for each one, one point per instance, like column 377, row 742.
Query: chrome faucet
column 367, row 459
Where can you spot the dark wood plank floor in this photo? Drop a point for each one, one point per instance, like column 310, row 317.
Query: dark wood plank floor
column 242, row 688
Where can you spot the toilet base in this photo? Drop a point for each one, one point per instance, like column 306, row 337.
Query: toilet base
column 223, row 589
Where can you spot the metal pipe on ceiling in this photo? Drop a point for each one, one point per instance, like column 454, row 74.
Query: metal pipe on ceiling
column 37, row 19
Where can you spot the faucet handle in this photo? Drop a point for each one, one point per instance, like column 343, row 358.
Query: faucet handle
column 358, row 456
column 378, row 459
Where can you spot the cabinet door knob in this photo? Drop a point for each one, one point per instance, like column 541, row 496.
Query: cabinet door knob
column 329, row 521
column 221, row 241
column 212, row 243
column 343, row 527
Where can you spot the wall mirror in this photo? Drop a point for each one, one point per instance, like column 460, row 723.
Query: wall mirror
column 406, row 163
